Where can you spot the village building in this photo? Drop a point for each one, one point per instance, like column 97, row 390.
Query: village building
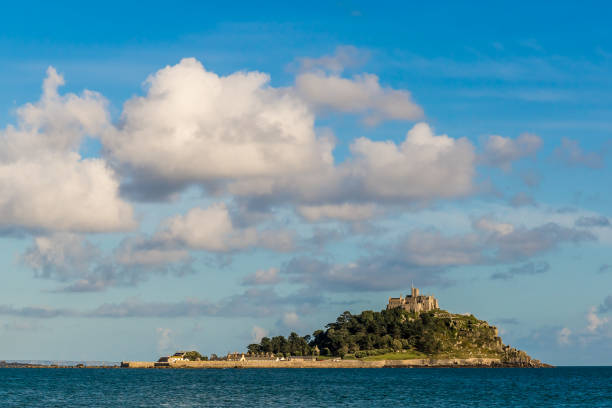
column 235, row 356
column 261, row 358
column 414, row 302
column 178, row 356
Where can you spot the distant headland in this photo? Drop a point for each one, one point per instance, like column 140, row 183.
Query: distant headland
column 411, row 332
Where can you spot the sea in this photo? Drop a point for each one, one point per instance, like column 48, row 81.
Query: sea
column 384, row 387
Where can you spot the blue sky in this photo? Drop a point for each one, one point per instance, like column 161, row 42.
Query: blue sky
column 198, row 176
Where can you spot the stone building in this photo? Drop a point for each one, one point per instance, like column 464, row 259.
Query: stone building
column 414, row 302
column 178, row 356
column 235, row 356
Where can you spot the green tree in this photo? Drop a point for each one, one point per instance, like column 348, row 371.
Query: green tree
column 266, row 345
column 254, row 348
column 193, row 356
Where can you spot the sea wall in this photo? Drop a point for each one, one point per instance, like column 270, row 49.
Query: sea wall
column 451, row 362
column 138, row 364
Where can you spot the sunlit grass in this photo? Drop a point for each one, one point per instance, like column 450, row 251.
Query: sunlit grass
column 402, row 355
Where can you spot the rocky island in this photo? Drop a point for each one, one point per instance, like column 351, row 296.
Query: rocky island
column 411, row 332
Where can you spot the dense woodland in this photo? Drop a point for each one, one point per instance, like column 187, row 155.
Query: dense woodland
column 387, row 330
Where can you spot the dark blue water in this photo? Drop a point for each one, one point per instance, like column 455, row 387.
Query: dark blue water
column 445, row 387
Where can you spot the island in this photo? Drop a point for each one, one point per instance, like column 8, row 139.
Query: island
column 411, row 332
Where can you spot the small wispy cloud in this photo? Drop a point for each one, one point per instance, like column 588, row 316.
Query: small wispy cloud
column 530, row 268
column 263, row 277
column 571, row 154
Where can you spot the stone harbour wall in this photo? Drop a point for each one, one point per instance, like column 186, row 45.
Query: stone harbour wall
column 451, row 362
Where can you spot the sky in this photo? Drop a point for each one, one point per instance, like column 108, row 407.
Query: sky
column 198, row 176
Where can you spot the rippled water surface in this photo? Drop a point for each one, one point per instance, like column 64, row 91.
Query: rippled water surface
column 445, row 387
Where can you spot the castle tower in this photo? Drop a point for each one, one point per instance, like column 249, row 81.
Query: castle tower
column 415, row 302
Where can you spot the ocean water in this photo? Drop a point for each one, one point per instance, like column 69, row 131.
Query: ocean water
column 435, row 387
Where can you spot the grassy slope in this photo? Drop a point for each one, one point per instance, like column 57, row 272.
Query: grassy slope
column 401, row 355
column 461, row 337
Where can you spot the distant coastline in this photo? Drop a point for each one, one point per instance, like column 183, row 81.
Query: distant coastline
column 57, row 364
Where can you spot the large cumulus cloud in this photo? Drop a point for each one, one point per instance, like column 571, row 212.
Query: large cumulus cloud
column 194, row 126
column 238, row 135
column 424, row 166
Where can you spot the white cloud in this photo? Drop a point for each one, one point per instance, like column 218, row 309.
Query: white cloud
column 56, row 122
column 361, row 94
column 490, row 225
column 345, row 56
column 196, row 126
column 45, row 183
column 60, row 256
column 207, row 228
column 571, row 154
column 501, row 151
column 211, row 229
column 423, row 167
column 262, row 277
column 594, row 321
column 258, row 333
column 62, row 192
column 164, row 339
column 320, row 83
column 563, row 336
column 290, row 319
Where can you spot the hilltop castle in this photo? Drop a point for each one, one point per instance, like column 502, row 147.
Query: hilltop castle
column 414, row 302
